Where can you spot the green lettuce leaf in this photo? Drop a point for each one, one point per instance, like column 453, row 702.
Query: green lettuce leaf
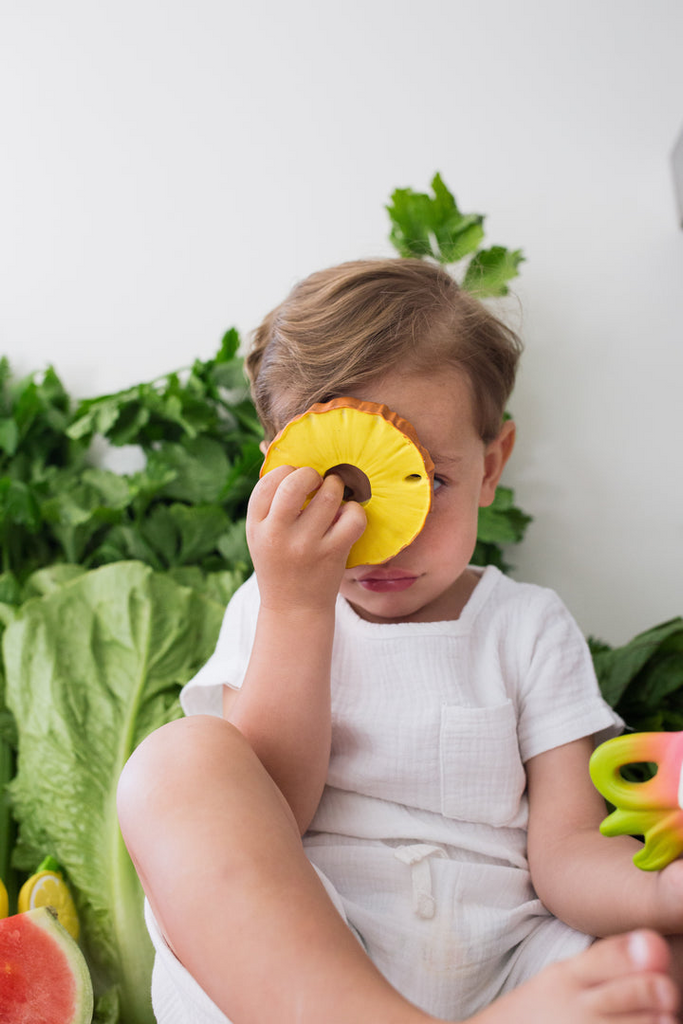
column 92, row 667
column 643, row 679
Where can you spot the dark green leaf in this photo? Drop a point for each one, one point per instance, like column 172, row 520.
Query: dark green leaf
column 664, row 676
column 108, row 1007
column 502, row 522
column 200, row 529
column 160, row 531
column 616, row 668
column 229, row 346
column 199, row 466
column 18, row 505
column 10, row 591
column 233, row 545
column 125, row 542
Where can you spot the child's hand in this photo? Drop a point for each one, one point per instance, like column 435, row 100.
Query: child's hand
column 300, row 553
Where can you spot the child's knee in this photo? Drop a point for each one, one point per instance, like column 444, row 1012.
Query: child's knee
column 171, row 766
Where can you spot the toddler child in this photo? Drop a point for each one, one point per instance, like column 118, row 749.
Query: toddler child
column 423, row 724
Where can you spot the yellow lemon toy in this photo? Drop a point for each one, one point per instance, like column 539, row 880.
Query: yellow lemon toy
column 381, row 461
column 4, row 902
column 48, row 889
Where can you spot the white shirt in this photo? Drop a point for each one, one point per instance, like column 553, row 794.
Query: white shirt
column 432, row 722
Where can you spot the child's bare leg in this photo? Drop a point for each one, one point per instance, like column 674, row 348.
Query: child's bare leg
column 221, row 861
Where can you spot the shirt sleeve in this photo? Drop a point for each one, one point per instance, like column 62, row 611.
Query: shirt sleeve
column 560, row 696
column 203, row 695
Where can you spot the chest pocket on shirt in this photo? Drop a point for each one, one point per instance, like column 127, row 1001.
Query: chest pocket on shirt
column 482, row 776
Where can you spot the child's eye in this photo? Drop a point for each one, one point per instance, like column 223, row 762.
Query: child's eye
column 438, row 482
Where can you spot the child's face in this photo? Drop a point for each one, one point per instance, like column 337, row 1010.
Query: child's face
column 429, row 580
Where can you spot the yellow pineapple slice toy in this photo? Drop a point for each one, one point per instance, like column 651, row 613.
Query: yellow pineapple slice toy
column 381, row 461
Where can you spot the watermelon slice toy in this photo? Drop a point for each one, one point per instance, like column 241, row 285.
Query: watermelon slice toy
column 44, row 978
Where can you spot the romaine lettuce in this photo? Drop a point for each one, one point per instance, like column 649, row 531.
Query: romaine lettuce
column 91, row 668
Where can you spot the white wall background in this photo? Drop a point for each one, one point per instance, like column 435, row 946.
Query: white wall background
column 169, row 169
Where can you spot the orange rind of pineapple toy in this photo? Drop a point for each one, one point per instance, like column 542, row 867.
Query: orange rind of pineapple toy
column 651, row 809
column 381, row 461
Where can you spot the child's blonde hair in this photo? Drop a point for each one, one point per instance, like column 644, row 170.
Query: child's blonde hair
column 343, row 327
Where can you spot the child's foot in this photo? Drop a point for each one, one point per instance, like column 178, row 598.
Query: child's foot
column 620, row 979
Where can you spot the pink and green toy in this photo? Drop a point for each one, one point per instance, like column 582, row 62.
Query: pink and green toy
column 652, row 809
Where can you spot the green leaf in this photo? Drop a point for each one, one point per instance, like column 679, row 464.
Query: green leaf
column 10, row 591
column 501, row 522
column 124, row 542
column 457, row 234
column 96, row 416
column 233, row 545
column 411, row 223
column 664, row 677
column 46, row 581
column 9, row 435
column 617, row 668
column 219, row 586
column 490, row 269
column 159, row 530
column 108, row 1008
column 229, row 347
column 489, row 554
column 18, row 505
column 91, row 669
column 95, row 492
column 199, row 529
column 433, row 226
column 82, row 506
column 197, row 470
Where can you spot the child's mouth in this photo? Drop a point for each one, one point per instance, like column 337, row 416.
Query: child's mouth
column 387, row 582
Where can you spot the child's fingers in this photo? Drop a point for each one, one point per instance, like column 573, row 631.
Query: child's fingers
column 301, row 498
column 269, row 487
column 349, row 524
column 328, row 514
column 262, row 495
column 292, row 491
column 325, row 505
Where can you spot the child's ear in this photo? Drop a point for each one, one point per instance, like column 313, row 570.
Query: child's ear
column 495, row 457
column 263, row 446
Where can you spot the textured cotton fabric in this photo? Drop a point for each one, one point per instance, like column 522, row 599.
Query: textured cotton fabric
column 421, row 830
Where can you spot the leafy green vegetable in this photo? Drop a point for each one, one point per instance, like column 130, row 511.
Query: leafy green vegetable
column 34, row 451
column 92, row 667
column 199, row 437
column 643, row 679
column 500, row 524
column 433, row 226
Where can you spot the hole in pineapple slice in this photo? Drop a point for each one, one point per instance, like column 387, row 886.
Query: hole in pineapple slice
column 356, row 483
column 413, row 478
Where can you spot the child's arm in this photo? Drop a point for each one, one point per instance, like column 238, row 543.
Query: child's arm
column 283, row 706
column 582, row 877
